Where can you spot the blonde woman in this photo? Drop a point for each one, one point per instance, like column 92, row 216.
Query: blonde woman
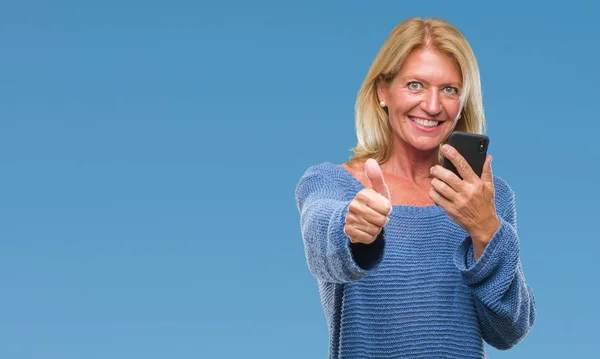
column 411, row 260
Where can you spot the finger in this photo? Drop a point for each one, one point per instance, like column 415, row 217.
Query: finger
column 371, row 205
column 369, row 228
column 358, row 236
column 370, row 217
column 375, row 176
column 486, row 174
column 377, row 202
column 448, row 177
column 442, row 188
column 439, row 199
column 357, row 221
column 461, row 164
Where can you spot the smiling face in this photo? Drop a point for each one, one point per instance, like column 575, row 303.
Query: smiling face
column 423, row 100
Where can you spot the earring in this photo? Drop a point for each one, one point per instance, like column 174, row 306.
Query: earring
column 382, row 103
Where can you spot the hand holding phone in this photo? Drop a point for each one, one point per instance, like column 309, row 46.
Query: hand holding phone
column 469, row 201
column 473, row 147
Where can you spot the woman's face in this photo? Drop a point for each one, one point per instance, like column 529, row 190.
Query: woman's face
column 423, row 99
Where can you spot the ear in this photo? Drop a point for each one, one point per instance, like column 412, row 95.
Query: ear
column 459, row 116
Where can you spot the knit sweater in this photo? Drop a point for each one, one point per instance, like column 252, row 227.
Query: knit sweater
column 416, row 291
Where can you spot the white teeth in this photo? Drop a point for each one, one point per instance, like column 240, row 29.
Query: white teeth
column 425, row 123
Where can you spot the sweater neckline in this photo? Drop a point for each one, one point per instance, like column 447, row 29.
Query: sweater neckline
column 397, row 209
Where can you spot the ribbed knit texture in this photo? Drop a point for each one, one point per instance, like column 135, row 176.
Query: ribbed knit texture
column 420, row 294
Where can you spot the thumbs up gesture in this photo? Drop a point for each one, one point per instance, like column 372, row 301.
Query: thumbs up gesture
column 369, row 210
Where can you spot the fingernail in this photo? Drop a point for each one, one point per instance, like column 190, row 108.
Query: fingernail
column 387, row 221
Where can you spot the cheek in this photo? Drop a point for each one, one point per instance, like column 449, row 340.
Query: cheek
column 452, row 108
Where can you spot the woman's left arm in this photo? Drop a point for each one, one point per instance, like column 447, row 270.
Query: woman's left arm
column 488, row 259
column 505, row 303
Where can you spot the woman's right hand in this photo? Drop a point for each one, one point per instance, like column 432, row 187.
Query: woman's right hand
column 369, row 210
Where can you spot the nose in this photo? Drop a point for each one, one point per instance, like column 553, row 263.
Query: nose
column 431, row 102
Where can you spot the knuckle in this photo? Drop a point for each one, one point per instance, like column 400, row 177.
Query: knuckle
column 351, row 232
column 372, row 238
column 362, row 195
column 379, row 225
column 383, row 220
column 362, row 238
column 387, row 206
column 480, row 186
column 372, row 195
column 348, row 230
column 377, row 232
column 440, row 186
column 434, row 171
column 353, row 207
column 472, row 197
column 471, row 192
column 453, row 155
column 373, row 230
column 350, row 220
column 432, row 194
column 448, row 176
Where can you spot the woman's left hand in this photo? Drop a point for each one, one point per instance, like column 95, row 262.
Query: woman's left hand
column 470, row 201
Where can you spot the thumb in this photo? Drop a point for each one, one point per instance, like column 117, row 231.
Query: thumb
column 375, row 176
column 486, row 174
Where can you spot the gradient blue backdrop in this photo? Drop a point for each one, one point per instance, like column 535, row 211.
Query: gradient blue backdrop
column 149, row 153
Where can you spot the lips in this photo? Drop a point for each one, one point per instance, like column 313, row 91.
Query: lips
column 425, row 122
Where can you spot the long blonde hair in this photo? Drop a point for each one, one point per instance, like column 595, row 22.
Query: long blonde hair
column 373, row 129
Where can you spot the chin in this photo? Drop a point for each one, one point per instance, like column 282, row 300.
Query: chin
column 426, row 146
column 426, row 143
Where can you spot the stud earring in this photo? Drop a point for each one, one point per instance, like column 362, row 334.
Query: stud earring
column 382, row 103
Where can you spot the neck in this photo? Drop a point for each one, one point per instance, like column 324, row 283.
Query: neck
column 410, row 164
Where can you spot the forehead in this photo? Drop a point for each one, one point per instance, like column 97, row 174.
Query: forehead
column 431, row 65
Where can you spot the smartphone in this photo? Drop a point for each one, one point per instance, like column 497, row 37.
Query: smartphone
column 472, row 147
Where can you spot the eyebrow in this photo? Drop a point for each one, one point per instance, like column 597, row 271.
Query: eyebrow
column 420, row 79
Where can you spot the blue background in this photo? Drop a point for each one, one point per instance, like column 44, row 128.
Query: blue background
column 149, row 153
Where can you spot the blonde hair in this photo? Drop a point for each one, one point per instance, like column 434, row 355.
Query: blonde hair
column 373, row 129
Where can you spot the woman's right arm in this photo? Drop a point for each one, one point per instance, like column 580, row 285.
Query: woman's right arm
column 329, row 254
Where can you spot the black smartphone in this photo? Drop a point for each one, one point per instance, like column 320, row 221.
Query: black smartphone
column 472, row 147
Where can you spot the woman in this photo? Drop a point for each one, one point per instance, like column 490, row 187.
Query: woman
column 411, row 260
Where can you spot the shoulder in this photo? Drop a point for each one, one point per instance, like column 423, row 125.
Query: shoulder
column 325, row 172
column 326, row 169
column 327, row 178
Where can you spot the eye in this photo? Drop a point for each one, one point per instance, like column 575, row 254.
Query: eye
column 450, row 90
column 414, row 85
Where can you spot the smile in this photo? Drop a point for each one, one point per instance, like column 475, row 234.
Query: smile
column 425, row 123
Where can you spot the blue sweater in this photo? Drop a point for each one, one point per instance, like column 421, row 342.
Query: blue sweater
column 415, row 292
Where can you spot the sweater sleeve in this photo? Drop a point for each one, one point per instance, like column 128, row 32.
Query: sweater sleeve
column 330, row 255
column 505, row 303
